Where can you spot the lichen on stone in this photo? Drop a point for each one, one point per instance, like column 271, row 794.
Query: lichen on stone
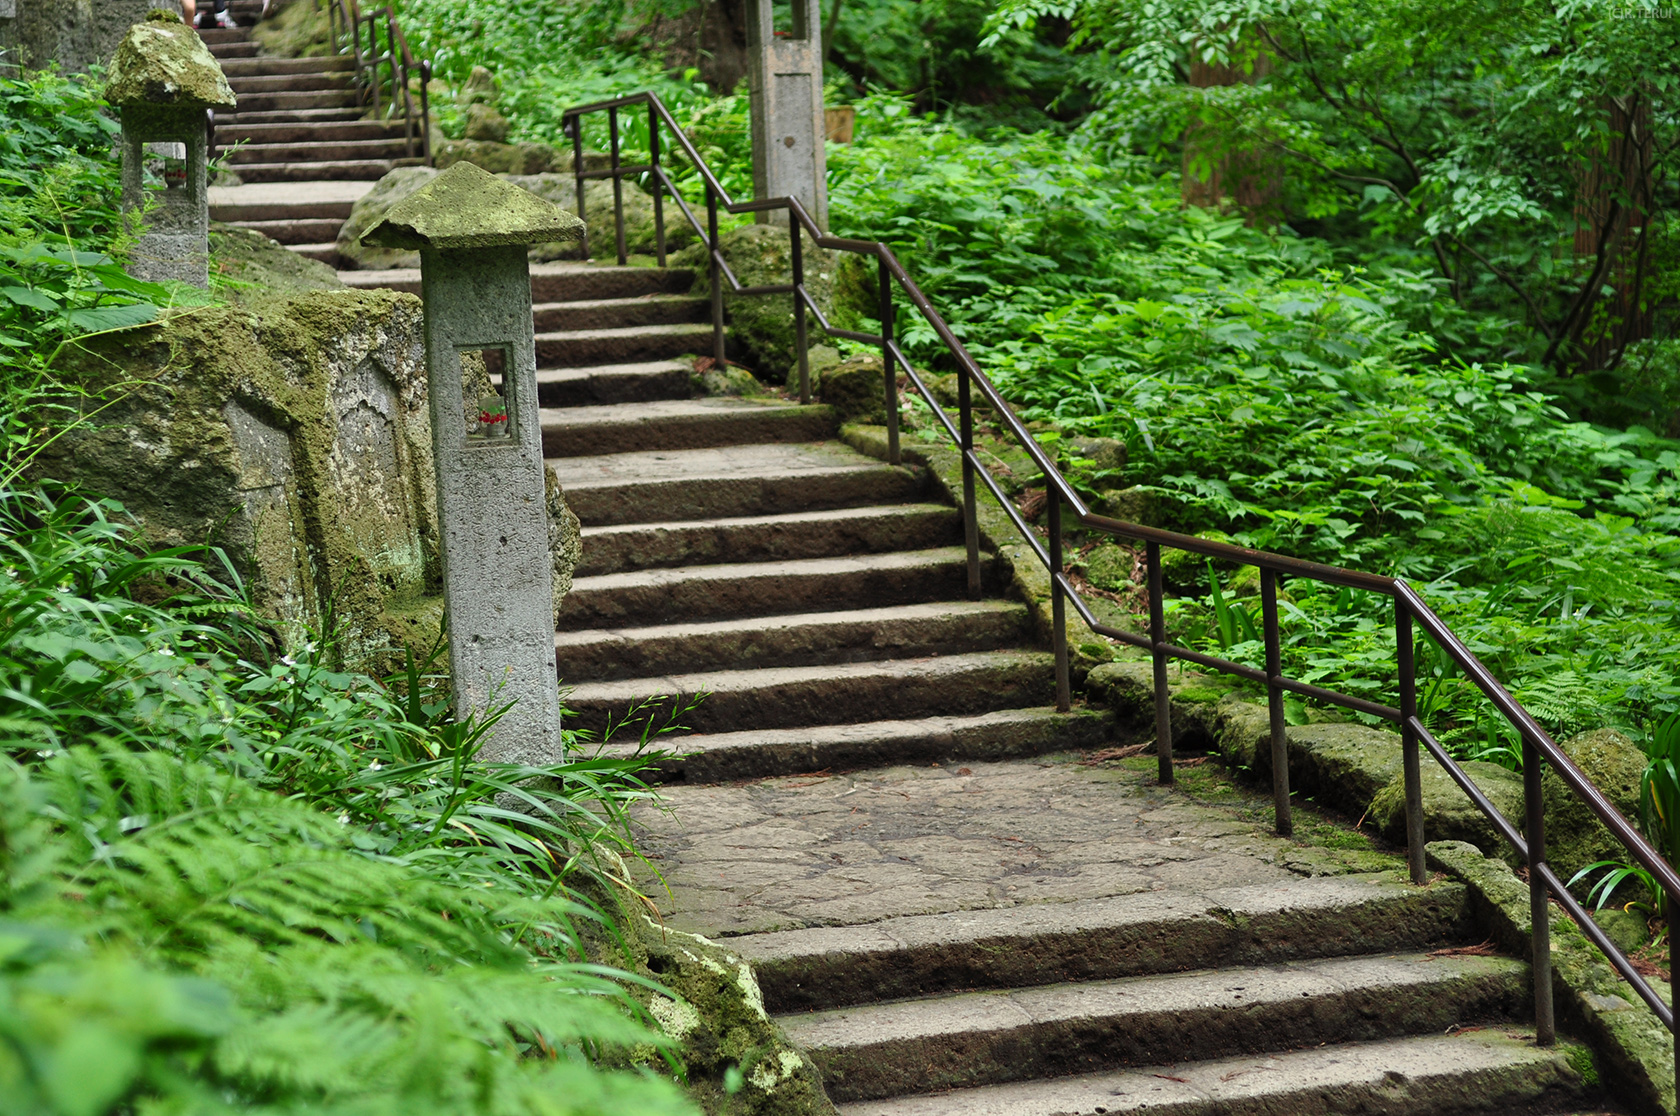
column 163, row 62
column 467, row 207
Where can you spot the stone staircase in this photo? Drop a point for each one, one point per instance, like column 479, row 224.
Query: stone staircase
column 817, row 598
column 299, row 119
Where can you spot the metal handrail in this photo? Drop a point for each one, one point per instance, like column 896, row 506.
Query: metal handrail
column 345, row 22
column 1410, row 610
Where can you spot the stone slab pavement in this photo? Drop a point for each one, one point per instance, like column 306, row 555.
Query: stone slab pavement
column 853, row 848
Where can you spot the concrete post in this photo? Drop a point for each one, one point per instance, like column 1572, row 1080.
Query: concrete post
column 471, row 230
column 163, row 81
column 786, row 79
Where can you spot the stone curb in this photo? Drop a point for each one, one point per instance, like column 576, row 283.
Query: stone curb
column 1624, row 1033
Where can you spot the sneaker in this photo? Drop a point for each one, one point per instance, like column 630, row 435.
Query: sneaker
column 225, row 21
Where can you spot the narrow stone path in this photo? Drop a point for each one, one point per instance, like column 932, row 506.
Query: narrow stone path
column 299, row 139
column 876, row 805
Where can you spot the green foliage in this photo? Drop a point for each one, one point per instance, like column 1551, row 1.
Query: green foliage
column 231, row 881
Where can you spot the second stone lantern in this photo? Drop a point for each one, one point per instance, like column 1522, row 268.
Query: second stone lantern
column 472, row 230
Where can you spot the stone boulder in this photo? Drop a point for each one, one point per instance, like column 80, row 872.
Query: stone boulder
column 1575, row 837
column 855, row 388
column 369, row 210
column 485, row 124
column 761, row 327
column 295, row 435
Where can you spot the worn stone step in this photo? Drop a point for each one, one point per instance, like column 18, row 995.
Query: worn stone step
column 281, row 102
column 677, row 424
column 219, row 36
column 1102, row 939
column 306, row 231
column 314, row 200
column 768, row 538
column 638, row 382
column 852, row 635
column 291, row 116
column 638, row 598
column 295, row 81
column 603, row 346
column 620, row 313
column 364, row 170
column 323, row 131
column 656, row 486
column 326, row 252
column 238, row 48
column 556, row 282
column 247, row 67
column 986, row 1038
column 1428, row 1075
column 788, row 697
column 763, row 753
column 239, row 155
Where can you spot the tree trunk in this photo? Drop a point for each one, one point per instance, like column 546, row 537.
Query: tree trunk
column 1244, row 176
column 1613, row 214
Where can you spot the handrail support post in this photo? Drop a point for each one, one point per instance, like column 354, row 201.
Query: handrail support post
column 1282, row 814
column 1158, row 642
column 657, row 184
column 1540, row 911
column 716, row 275
column 577, row 169
column 618, row 189
column 971, row 522
column 889, row 366
column 796, row 248
column 1405, row 658
column 1058, row 607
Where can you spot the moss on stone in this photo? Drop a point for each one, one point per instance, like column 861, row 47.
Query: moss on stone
column 249, row 269
column 468, row 207
column 855, row 388
column 1575, row 837
column 761, row 327
column 163, row 62
column 1635, row 1051
column 296, row 30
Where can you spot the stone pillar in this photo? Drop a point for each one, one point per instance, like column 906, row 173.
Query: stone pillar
column 163, row 81
column 472, row 230
column 786, row 78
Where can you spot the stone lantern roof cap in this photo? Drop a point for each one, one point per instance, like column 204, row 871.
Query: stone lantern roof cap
column 468, row 207
column 163, row 62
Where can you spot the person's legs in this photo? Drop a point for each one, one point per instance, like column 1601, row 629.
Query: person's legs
column 189, row 12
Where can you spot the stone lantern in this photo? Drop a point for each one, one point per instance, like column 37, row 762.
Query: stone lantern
column 785, row 74
column 163, row 80
column 472, row 230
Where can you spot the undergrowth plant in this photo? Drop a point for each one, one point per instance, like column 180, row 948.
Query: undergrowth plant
column 232, row 879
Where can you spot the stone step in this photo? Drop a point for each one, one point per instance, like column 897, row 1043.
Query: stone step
column 788, row 697
column 323, row 131
column 1102, row 939
column 556, row 282
column 604, row 346
column 219, row 36
column 233, row 48
column 242, row 154
column 639, row 382
column 763, row 753
column 639, row 598
column 364, row 170
column 326, row 252
column 308, row 231
column 988, row 1038
column 291, row 116
column 621, row 313
column 296, row 81
column 251, row 67
column 1429, row 1075
column 769, row 538
column 659, row 486
column 679, row 424
column 855, row 635
column 283, row 102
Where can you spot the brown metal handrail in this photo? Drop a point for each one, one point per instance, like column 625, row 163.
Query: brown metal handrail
column 345, row 23
column 1410, row 610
